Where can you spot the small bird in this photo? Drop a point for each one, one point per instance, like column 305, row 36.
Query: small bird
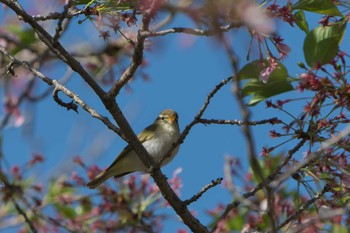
column 158, row 138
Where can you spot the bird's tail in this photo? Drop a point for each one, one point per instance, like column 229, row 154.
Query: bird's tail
column 99, row 179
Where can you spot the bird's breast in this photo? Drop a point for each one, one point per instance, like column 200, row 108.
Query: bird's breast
column 161, row 144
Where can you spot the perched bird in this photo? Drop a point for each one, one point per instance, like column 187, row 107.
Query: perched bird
column 158, row 138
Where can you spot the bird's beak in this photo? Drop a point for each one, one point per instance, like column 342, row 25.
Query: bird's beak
column 173, row 118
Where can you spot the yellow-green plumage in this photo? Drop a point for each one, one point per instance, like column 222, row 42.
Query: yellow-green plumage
column 157, row 138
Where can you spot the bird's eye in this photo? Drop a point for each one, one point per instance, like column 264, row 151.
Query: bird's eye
column 162, row 117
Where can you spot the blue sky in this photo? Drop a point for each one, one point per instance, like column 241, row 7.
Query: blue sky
column 180, row 78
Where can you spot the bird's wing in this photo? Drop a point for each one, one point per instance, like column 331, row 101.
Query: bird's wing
column 145, row 135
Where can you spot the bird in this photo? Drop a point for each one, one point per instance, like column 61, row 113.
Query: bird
column 157, row 138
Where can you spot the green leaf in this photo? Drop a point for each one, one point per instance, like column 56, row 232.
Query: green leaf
column 236, row 223
column 56, row 188
column 322, row 43
column 66, row 210
column 84, row 2
column 326, row 7
column 300, row 20
column 25, row 35
column 278, row 82
column 336, row 228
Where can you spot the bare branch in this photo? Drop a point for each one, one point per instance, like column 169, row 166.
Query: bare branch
column 131, row 70
column 261, row 185
column 304, row 206
column 12, row 190
column 23, row 213
column 254, row 163
column 58, row 15
column 69, row 106
column 325, row 145
column 197, row 118
column 238, row 122
column 232, row 206
column 58, row 86
column 56, row 48
column 109, row 101
column 113, row 108
column 63, row 16
column 192, row 31
column 203, row 190
column 297, row 227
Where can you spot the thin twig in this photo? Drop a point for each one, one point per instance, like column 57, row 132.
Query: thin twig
column 196, row 119
column 18, row 208
column 131, row 70
column 56, row 48
column 234, row 205
column 58, row 15
column 112, row 106
column 24, row 215
column 63, row 80
column 238, row 122
column 324, row 146
column 69, row 106
column 192, row 31
column 254, row 163
column 58, row 86
column 202, row 191
column 304, row 206
column 261, row 185
column 297, row 227
column 62, row 17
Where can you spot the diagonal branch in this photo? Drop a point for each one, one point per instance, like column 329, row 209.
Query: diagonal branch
column 324, row 146
column 54, row 46
column 261, row 185
column 254, row 163
column 23, row 213
column 59, row 87
column 192, row 31
column 168, row 193
column 59, row 27
column 197, row 118
column 12, row 190
column 273, row 120
column 203, row 190
column 131, row 70
column 112, row 106
column 69, row 106
column 304, row 206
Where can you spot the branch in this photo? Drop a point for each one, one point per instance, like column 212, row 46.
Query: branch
column 261, row 185
column 202, row 191
column 109, row 101
column 238, row 122
column 59, row 15
column 232, row 206
column 197, row 118
column 62, row 17
column 44, row 94
column 59, row 87
column 254, row 163
column 26, row 219
column 54, row 46
column 131, row 70
column 192, row 31
column 304, row 206
column 11, row 192
column 68, row 106
column 168, row 193
column 296, row 227
column 324, row 146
